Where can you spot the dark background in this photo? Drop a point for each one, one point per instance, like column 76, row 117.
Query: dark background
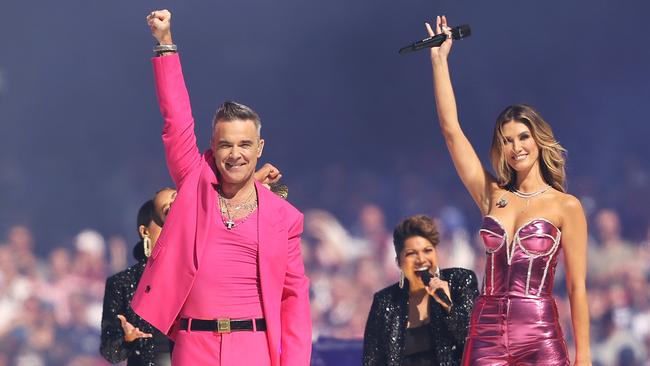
column 345, row 117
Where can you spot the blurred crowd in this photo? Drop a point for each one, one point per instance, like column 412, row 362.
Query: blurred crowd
column 50, row 307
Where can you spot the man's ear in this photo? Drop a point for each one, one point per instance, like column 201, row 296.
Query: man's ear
column 260, row 148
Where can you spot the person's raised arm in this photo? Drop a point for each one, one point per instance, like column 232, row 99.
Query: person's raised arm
column 470, row 170
column 160, row 23
column 178, row 131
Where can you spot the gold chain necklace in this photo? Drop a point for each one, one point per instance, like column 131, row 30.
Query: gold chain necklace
column 224, row 208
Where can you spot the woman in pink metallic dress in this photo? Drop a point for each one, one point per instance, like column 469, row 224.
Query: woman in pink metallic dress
column 527, row 219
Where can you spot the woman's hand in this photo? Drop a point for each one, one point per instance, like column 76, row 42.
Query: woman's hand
column 442, row 52
column 160, row 23
column 132, row 333
column 435, row 284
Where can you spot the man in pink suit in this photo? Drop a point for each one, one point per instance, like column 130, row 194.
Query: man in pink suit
column 226, row 279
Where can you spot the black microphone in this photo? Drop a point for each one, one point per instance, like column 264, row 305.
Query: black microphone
column 426, row 278
column 459, row 32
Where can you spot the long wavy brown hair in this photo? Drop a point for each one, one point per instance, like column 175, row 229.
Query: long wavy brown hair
column 552, row 155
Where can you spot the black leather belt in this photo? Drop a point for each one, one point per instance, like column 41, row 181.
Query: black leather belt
column 223, row 325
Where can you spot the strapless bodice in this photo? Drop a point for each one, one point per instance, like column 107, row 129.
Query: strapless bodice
column 523, row 266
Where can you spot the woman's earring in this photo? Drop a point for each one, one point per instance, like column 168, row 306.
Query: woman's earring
column 401, row 279
column 146, row 243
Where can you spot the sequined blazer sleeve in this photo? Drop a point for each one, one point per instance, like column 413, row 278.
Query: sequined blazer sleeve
column 374, row 338
column 464, row 290
column 383, row 341
column 113, row 347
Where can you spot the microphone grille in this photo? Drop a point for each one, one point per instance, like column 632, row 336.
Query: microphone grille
column 461, row 31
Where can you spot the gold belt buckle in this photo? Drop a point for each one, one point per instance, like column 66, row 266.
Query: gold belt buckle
column 223, row 325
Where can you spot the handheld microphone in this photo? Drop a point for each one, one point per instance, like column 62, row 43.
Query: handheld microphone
column 426, row 278
column 459, row 32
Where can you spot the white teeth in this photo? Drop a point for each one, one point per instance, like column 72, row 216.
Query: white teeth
column 229, row 165
column 422, row 269
column 521, row 157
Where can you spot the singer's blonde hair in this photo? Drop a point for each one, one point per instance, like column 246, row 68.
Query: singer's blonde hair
column 552, row 155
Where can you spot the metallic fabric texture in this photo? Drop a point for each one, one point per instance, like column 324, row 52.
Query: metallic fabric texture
column 515, row 320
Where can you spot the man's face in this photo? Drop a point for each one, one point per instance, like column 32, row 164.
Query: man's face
column 236, row 146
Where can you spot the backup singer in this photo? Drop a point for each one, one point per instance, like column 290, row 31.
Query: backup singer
column 125, row 336
column 408, row 324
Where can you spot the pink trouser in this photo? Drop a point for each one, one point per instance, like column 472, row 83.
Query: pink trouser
column 225, row 349
column 512, row 330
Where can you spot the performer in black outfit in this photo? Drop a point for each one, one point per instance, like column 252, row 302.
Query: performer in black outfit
column 124, row 334
column 409, row 324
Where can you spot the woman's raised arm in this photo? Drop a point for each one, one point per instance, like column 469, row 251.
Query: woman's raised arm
column 470, row 170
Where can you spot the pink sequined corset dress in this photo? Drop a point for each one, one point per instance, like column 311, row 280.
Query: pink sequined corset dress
column 515, row 321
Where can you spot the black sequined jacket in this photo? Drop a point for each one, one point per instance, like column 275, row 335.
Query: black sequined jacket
column 386, row 327
column 117, row 297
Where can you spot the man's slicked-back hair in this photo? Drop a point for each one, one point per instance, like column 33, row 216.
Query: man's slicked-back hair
column 231, row 111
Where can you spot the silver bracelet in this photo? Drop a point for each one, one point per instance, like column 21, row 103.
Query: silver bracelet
column 162, row 48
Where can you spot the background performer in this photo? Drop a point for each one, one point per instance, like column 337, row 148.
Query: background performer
column 408, row 324
column 126, row 336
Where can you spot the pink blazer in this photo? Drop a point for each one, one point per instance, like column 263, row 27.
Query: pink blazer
column 172, row 267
